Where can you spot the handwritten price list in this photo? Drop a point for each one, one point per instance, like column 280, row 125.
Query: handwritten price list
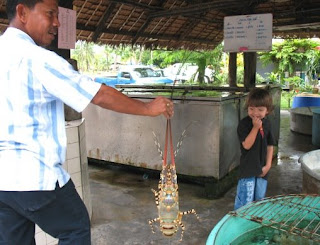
column 67, row 30
column 248, row 33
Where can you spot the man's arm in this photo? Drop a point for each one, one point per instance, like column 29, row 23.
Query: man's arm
column 111, row 99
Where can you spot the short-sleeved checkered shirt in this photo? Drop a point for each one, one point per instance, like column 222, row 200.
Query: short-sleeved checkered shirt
column 34, row 84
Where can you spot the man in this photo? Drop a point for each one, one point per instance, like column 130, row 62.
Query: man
column 34, row 85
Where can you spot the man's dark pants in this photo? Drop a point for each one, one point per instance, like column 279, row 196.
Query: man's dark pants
column 60, row 213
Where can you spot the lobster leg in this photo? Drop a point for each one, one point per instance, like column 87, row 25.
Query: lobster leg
column 191, row 211
column 156, row 196
column 151, row 223
column 182, row 230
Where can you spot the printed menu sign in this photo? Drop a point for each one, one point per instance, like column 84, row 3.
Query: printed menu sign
column 246, row 33
column 67, row 29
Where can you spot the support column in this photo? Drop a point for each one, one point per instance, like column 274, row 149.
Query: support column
column 232, row 70
column 250, row 67
column 70, row 114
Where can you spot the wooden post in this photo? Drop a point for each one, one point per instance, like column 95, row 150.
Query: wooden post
column 70, row 114
column 250, row 67
column 65, row 53
column 233, row 70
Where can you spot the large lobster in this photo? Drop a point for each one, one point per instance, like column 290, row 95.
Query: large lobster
column 167, row 196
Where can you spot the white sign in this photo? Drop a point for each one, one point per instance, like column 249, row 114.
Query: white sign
column 67, row 29
column 246, row 33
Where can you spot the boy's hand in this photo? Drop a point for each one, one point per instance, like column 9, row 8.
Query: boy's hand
column 265, row 170
column 257, row 123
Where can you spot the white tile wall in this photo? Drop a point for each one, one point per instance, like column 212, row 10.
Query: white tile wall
column 73, row 150
column 76, row 178
column 76, row 166
column 73, row 134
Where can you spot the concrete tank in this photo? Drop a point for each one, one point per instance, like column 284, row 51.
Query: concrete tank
column 210, row 148
column 310, row 164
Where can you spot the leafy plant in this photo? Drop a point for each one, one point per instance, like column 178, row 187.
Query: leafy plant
column 294, row 81
column 292, row 55
column 273, row 77
column 288, row 95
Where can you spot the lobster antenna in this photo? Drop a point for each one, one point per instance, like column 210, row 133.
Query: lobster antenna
column 156, row 141
column 180, row 68
column 179, row 144
column 183, row 135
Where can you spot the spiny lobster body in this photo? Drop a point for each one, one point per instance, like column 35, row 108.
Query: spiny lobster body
column 167, row 197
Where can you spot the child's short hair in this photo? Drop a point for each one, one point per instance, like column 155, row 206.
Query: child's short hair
column 259, row 97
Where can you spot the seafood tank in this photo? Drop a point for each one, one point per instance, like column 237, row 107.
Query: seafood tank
column 290, row 219
column 206, row 120
column 310, row 172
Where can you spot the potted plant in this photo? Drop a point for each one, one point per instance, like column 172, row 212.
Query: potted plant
column 293, row 82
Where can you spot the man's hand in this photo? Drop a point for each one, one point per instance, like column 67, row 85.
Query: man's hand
column 160, row 105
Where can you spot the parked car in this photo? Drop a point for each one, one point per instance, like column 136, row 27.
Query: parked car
column 183, row 72
column 160, row 72
column 138, row 75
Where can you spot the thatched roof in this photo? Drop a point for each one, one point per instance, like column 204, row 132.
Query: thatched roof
column 182, row 24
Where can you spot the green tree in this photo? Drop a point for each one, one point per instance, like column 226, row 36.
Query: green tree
column 202, row 59
column 84, row 55
column 89, row 61
column 100, row 62
column 108, row 53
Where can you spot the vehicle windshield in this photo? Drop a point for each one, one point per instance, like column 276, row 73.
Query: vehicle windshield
column 145, row 72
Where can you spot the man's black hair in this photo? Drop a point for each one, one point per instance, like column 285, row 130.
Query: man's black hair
column 12, row 4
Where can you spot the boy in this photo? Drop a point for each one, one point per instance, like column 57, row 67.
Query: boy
column 256, row 143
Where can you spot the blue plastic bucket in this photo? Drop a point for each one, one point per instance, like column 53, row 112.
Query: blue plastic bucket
column 305, row 101
column 316, row 127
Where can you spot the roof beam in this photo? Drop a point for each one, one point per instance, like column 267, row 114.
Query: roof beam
column 137, row 5
column 145, row 25
column 290, row 27
column 190, row 9
column 144, row 35
column 141, row 30
column 199, row 8
column 315, row 11
column 152, row 16
column 103, row 21
column 3, row 15
column 66, row 3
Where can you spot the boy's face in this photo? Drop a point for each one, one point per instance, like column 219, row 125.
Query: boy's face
column 257, row 112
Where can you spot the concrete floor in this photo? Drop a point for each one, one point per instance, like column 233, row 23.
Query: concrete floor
column 122, row 201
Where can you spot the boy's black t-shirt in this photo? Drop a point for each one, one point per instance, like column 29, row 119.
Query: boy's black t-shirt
column 252, row 160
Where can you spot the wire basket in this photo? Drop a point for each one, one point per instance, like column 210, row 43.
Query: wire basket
column 295, row 214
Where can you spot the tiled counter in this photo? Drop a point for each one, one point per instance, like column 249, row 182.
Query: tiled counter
column 77, row 166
